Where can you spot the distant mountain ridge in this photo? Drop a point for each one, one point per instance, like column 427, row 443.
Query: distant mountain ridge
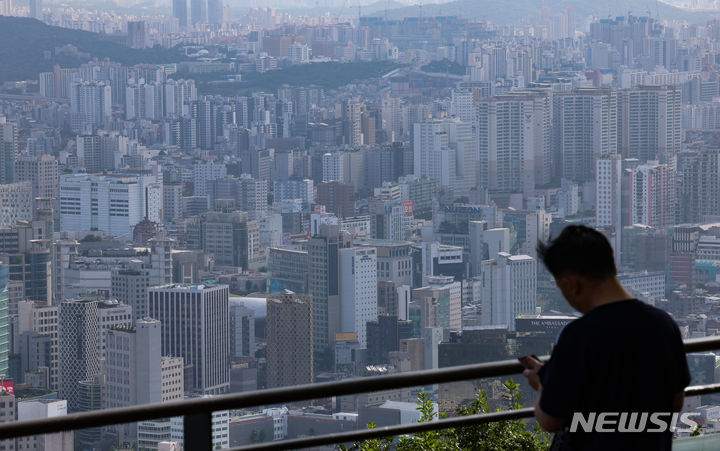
column 505, row 12
column 25, row 42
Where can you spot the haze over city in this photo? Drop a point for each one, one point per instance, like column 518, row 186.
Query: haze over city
column 203, row 200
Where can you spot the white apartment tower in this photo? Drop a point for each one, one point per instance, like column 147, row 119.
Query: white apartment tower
column 608, row 192
column 446, row 151
column 652, row 195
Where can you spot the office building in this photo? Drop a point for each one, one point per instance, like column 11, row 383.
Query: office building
column 242, row 331
column 289, row 339
column 42, row 172
column 113, row 204
column 205, row 172
column 440, row 301
column 485, row 243
column 111, row 314
column 358, row 290
column 337, row 197
column 199, row 314
column 287, row 270
column 133, row 369
column 394, row 260
column 130, row 285
column 324, row 284
column 8, row 414
column 232, row 239
column 39, row 409
column 16, row 203
column 41, row 320
column 508, row 284
column 151, row 433
column 79, row 350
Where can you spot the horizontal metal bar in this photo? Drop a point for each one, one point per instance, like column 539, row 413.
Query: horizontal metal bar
column 697, row 390
column 391, row 431
column 262, row 397
column 703, row 344
column 283, row 395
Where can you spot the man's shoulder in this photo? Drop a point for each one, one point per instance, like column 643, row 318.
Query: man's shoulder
column 627, row 313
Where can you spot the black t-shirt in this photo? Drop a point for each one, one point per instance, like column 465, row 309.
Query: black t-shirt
column 625, row 356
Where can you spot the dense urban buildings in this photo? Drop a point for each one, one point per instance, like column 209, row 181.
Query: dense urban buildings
column 204, row 197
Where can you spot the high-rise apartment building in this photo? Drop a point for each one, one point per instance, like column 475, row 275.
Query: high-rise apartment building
column 136, row 34
column 514, row 141
column 358, row 290
column 650, row 122
column 289, row 339
column 651, row 199
column 90, row 104
column 446, row 151
column 4, row 321
column 8, row 150
column 180, row 11
column 608, row 192
column 352, row 122
column 79, row 351
column 195, row 326
column 586, row 122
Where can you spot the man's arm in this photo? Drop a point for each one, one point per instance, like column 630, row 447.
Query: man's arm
column 548, row 422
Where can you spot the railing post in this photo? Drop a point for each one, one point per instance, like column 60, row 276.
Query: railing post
column 197, row 431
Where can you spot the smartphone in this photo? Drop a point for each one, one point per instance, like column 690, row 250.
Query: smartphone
column 524, row 360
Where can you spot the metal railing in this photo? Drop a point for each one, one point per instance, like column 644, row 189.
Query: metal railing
column 197, row 413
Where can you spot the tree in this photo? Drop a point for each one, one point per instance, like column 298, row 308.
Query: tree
column 495, row 436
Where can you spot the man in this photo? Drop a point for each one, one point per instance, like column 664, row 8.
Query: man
column 622, row 355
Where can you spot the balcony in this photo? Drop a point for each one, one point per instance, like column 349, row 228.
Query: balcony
column 197, row 413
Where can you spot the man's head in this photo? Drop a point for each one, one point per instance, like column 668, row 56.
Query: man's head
column 580, row 259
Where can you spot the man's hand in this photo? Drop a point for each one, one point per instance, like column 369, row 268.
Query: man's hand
column 532, row 373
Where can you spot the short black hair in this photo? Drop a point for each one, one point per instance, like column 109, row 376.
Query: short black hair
column 579, row 250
